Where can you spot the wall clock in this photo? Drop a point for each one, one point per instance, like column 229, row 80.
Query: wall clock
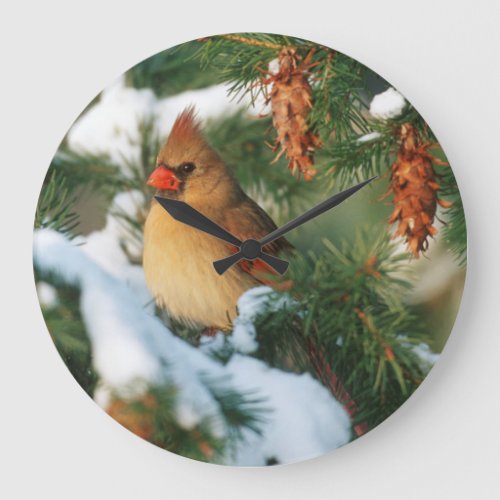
column 249, row 249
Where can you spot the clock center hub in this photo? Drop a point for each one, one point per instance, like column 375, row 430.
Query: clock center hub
column 251, row 249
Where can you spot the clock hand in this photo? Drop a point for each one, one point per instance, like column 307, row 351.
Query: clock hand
column 223, row 265
column 186, row 214
column 279, row 265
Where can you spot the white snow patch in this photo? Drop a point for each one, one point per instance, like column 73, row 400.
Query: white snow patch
column 213, row 344
column 243, row 338
column 274, row 66
column 250, row 304
column 130, row 347
column 306, row 421
column 427, row 358
column 387, row 105
column 47, row 295
column 107, row 246
column 111, row 126
column 133, row 349
column 368, row 137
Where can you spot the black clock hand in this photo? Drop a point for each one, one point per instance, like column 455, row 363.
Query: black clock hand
column 186, row 214
column 224, row 264
column 279, row 265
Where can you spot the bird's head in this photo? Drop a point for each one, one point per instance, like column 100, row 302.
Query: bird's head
column 187, row 167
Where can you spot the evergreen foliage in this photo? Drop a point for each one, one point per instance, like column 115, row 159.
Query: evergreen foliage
column 238, row 139
column 349, row 298
column 54, row 209
column 339, row 112
column 65, row 324
column 153, row 417
column 349, row 308
column 179, row 64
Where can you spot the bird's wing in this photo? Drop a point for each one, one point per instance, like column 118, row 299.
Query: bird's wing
column 248, row 220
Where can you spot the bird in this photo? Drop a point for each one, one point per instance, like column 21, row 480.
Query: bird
column 178, row 259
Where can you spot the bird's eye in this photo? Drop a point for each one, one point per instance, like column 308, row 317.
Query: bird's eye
column 187, row 167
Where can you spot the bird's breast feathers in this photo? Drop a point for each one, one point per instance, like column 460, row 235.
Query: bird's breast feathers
column 178, row 266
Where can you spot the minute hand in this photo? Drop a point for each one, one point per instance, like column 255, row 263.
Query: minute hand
column 223, row 265
column 186, row 214
column 335, row 200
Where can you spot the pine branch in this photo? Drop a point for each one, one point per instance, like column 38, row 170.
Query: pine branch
column 242, row 62
column 153, row 417
column 254, row 42
column 171, row 72
column 239, row 140
column 66, row 327
column 349, row 302
column 240, row 410
column 455, row 231
column 55, row 206
column 152, row 409
column 83, row 169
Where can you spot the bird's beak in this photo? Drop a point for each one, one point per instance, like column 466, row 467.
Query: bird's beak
column 163, row 177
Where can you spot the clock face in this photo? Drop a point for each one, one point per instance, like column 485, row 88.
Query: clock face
column 249, row 249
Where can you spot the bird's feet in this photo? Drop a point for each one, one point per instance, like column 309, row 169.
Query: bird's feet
column 209, row 331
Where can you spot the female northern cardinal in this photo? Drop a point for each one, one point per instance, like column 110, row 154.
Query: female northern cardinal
column 177, row 258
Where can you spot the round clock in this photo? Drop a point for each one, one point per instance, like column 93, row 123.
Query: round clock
column 249, row 249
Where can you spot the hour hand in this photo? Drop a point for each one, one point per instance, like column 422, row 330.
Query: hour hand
column 223, row 265
column 186, row 214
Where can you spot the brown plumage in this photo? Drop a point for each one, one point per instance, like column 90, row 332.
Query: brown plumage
column 177, row 258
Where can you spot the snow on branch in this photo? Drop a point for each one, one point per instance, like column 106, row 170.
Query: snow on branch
column 132, row 349
column 111, row 125
column 387, row 105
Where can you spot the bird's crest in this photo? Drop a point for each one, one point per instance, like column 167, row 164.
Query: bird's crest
column 186, row 133
column 185, row 126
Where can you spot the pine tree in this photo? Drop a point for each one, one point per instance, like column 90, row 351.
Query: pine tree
column 348, row 322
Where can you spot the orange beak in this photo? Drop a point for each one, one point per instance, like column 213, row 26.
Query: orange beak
column 163, row 177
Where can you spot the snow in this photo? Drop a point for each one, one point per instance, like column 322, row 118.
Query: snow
column 111, row 126
column 133, row 349
column 47, row 295
column 273, row 66
column 214, row 345
column 426, row 356
column 243, row 337
column 130, row 347
column 107, row 247
column 368, row 137
column 250, row 304
column 306, row 420
column 387, row 105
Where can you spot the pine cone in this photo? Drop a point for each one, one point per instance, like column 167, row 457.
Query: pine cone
column 413, row 183
column 291, row 102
